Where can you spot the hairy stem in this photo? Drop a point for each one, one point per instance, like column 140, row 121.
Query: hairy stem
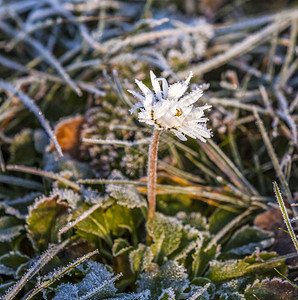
column 152, row 166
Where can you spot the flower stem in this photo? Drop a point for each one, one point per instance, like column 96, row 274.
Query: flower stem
column 152, row 166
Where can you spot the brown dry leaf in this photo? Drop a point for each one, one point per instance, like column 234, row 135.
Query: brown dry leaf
column 272, row 220
column 67, row 132
column 280, row 289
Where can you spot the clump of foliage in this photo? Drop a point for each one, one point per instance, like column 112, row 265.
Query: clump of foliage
column 75, row 226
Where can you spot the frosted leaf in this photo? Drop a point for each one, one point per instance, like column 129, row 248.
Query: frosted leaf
column 50, row 278
column 51, row 162
column 10, row 227
column 4, row 270
column 9, row 210
column 67, row 195
column 170, row 275
column 21, row 147
column 194, row 219
column 104, row 122
column 201, row 288
column 200, row 293
column 66, row 291
column 124, row 195
column 166, row 233
column 223, row 270
column 258, row 263
column 40, row 140
column 6, row 287
column 23, row 200
column 184, row 252
column 232, row 296
column 202, row 257
column 144, row 295
column 10, row 263
column 46, row 217
column 189, row 242
column 54, row 163
column 141, row 258
column 20, row 204
column 187, row 46
column 30, row 104
column 121, row 246
column 94, row 197
column 97, row 276
column 230, row 290
column 245, row 241
column 38, row 263
column 167, row 294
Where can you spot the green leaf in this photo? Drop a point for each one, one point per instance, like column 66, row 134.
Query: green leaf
column 10, row 227
column 120, row 219
column 45, row 219
column 115, row 220
column 246, row 240
column 141, row 258
column 166, row 233
column 219, row 219
column 94, row 226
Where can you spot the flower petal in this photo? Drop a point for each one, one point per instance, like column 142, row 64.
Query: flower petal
column 144, row 88
column 137, row 95
column 176, row 90
column 167, row 109
column 191, row 97
column 165, row 87
column 136, row 106
column 179, row 135
column 155, row 85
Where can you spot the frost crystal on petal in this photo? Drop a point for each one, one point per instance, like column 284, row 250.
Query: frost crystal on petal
column 172, row 108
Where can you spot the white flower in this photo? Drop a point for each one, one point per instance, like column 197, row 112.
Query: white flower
column 171, row 108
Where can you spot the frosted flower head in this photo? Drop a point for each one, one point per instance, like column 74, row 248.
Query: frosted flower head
column 171, row 108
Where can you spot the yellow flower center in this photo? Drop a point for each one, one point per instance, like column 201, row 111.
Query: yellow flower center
column 179, row 112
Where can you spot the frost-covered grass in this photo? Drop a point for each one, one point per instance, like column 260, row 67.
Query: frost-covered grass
column 75, row 226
